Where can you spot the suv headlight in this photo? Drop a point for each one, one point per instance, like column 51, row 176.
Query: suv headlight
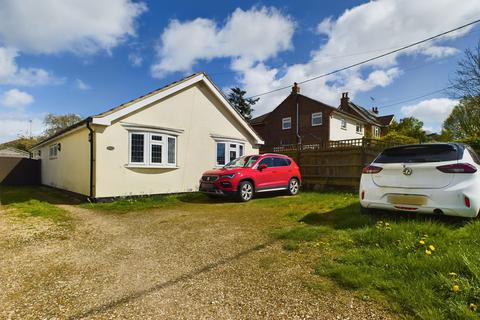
column 228, row 176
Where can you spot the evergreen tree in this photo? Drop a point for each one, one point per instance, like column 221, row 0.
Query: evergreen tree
column 243, row 105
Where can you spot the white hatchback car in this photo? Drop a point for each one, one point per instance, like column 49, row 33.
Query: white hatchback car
column 438, row 178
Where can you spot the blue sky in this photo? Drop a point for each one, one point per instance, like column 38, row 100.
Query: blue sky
column 87, row 56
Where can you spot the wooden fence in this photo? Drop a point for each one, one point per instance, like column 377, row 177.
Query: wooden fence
column 19, row 171
column 333, row 165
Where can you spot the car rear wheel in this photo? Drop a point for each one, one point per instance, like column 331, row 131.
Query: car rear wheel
column 293, row 186
column 245, row 191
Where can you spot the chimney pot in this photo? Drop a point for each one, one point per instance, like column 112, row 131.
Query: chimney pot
column 344, row 101
column 295, row 88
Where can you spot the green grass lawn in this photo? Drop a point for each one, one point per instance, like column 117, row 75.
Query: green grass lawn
column 425, row 267
column 34, row 201
column 419, row 266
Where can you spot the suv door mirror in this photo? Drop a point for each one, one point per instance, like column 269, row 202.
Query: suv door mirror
column 262, row 167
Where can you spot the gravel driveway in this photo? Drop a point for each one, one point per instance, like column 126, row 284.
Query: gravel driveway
column 197, row 261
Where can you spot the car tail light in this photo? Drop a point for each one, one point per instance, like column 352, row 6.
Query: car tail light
column 458, row 168
column 371, row 169
column 362, row 195
column 467, row 202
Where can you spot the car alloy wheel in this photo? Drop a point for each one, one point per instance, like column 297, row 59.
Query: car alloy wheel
column 246, row 191
column 293, row 186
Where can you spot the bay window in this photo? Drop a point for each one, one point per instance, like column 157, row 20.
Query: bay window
column 152, row 149
column 228, row 151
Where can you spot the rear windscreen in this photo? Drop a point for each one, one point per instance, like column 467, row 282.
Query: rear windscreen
column 420, row 153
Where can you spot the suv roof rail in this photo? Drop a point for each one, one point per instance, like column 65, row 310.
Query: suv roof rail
column 273, row 154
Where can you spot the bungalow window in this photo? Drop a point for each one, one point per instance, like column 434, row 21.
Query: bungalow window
column 286, row 123
column 316, row 119
column 152, row 149
column 376, row 132
column 343, row 124
column 53, row 151
column 228, row 151
column 359, row 128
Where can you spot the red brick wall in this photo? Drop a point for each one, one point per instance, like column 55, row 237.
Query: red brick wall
column 271, row 130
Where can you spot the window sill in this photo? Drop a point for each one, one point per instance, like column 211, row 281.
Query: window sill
column 146, row 166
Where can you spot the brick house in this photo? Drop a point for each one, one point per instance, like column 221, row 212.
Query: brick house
column 318, row 122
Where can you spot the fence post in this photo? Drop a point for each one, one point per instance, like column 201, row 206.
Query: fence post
column 364, row 151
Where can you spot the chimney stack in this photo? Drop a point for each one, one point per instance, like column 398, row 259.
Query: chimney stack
column 375, row 110
column 295, row 88
column 344, row 101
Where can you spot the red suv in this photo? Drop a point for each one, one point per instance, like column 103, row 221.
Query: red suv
column 247, row 175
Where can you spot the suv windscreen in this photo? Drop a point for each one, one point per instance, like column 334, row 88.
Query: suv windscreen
column 420, row 153
column 242, row 162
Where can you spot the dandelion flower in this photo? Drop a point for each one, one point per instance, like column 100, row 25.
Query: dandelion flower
column 452, row 274
column 431, row 247
column 428, row 252
column 456, row 288
column 421, row 242
column 473, row 307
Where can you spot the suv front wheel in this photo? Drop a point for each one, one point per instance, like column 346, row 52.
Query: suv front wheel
column 245, row 191
column 293, row 186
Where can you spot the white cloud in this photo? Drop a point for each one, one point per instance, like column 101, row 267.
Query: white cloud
column 253, row 35
column 15, row 124
column 80, row 26
column 135, row 59
column 15, row 98
column 81, row 85
column 431, row 112
column 11, row 74
column 359, row 33
column 440, row 51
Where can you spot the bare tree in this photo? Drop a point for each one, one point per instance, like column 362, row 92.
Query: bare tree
column 466, row 84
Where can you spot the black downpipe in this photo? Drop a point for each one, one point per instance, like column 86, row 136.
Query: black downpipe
column 90, row 139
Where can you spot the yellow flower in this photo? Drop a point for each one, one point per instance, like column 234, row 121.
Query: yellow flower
column 456, row 288
column 421, row 242
column 428, row 252
column 473, row 307
column 452, row 274
column 432, row 248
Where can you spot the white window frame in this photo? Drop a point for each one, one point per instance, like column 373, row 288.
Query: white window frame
column 285, row 121
column 53, row 151
column 315, row 116
column 239, row 149
column 343, row 124
column 377, row 132
column 357, row 127
column 148, row 142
